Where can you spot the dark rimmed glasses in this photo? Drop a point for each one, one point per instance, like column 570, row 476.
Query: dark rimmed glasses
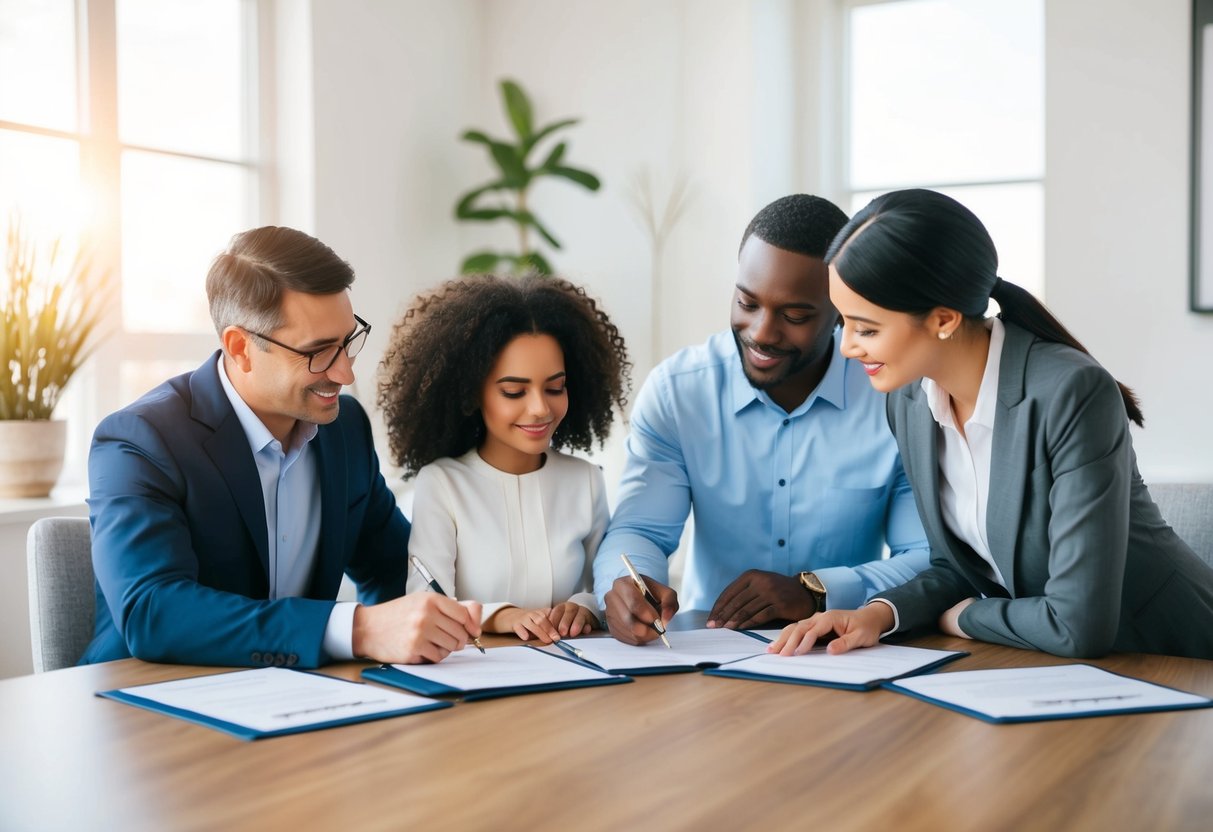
column 319, row 361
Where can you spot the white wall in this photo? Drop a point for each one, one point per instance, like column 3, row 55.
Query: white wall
column 693, row 87
column 394, row 84
column 665, row 86
column 1116, row 209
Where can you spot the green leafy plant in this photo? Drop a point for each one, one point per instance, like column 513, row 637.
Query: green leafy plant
column 511, row 188
column 53, row 306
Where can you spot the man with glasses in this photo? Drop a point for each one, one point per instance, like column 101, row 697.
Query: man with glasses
column 227, row 503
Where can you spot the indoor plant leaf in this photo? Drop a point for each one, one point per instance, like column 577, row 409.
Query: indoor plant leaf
column 544, row 132
column 581, row 177
column 482, row 262
column 517, row 107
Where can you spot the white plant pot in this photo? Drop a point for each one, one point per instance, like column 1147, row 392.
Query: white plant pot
column 31, row 456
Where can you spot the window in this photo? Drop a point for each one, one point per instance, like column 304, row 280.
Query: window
column 949, row 95
column 133, row 121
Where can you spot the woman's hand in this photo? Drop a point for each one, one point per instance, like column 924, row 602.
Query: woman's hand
column 847, row 628
column 949, row 622
column 571, row 620
column 526, row 624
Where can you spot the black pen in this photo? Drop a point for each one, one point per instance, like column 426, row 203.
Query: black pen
column 434, row 585
column 648, row 596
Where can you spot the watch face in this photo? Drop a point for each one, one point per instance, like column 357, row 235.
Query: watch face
column 812, row 583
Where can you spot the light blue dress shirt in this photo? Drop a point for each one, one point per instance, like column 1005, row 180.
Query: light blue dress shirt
column 291, row 487
column 821, row 488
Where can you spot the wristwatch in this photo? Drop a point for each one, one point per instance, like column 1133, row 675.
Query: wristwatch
column 815, row 588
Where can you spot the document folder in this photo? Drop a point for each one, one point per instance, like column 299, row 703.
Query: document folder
column 270, row 701
column 501, row 671
column 865, row 668
column 1036, row 694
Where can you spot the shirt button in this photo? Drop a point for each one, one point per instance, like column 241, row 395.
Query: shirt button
column 781, row 541
column 255, row 657
column 783, row 482
column 787, row 421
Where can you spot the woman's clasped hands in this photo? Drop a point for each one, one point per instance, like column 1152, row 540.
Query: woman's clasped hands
column 547, row 624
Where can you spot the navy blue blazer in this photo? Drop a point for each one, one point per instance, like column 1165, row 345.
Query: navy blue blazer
column 180, row 544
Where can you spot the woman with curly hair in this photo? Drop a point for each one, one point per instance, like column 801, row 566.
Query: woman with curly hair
column 484, row 379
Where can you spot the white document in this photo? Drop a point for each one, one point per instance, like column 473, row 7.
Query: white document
column 500, row 667
column 274, row 698
column 689, row 649
column 1043, row 692
column 864, row 666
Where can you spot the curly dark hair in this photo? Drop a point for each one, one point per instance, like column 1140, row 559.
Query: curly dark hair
column 441, row 351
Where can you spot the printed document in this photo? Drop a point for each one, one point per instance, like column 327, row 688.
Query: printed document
column 273, row 698
column 863, row 667
column 691, row 648
column 1029, row 693
column 500, row 667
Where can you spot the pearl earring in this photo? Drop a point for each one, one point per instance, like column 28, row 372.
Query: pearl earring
column 943, row 336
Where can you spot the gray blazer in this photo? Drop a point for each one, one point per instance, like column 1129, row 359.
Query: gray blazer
column 1091, row 565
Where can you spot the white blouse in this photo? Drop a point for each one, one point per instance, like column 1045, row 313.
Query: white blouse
column 509, row 540
column 964, row 460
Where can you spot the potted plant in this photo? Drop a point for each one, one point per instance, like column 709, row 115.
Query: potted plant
column 53, row 303
column 516, row 175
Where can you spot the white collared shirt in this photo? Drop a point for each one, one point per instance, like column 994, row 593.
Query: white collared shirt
column 290, row 485
column 964, row 459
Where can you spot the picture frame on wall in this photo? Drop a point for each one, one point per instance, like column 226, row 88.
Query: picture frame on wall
column 1200, row 297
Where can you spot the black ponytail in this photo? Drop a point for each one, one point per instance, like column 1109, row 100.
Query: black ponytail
column 914, row 250
column 1020, row 307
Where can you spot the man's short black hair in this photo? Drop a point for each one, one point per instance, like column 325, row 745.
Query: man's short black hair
column 801, row 223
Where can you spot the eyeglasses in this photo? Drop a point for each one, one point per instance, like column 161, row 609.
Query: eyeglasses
column 319, row 361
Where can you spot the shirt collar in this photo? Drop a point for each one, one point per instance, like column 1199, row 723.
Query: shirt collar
column 259, row 436
column 831, row 388
column 987, row 393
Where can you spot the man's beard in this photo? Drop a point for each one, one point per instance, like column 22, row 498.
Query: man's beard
column 795, row 362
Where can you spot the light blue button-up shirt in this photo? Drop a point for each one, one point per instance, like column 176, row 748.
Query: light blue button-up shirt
column 290, row 485
column 821, row 488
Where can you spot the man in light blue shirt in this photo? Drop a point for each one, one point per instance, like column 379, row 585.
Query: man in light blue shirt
column 779, row 445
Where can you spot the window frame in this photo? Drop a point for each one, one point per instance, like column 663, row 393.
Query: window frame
column 841, row 135
column 94, row 391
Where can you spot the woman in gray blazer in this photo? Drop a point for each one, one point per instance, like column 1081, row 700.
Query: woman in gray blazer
column 1017, row 445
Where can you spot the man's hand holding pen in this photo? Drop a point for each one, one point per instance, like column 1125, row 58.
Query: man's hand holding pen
column 630, row 617
column 416, row 628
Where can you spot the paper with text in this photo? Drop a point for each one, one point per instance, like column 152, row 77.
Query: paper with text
column 856, row 667
column 1043, row 692
column 273, row 698
column 501, row 667
column 690, row 648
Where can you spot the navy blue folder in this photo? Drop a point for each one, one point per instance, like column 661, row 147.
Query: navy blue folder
column 1115, row 710
column 247, row 733
column 725, row 671
column 394, row 676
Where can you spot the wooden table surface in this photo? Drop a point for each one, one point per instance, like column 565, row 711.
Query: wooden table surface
column 664, row 752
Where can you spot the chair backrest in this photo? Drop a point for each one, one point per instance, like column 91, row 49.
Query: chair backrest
column 1188, row 508
column 61, row 598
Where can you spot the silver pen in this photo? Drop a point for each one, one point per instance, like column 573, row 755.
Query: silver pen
column 648, row 596
column 434, row 585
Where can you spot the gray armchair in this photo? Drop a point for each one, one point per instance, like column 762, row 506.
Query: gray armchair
column 61, row 598
column 1188, row 508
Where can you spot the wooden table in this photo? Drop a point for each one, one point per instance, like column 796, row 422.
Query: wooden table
column 666, row 752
